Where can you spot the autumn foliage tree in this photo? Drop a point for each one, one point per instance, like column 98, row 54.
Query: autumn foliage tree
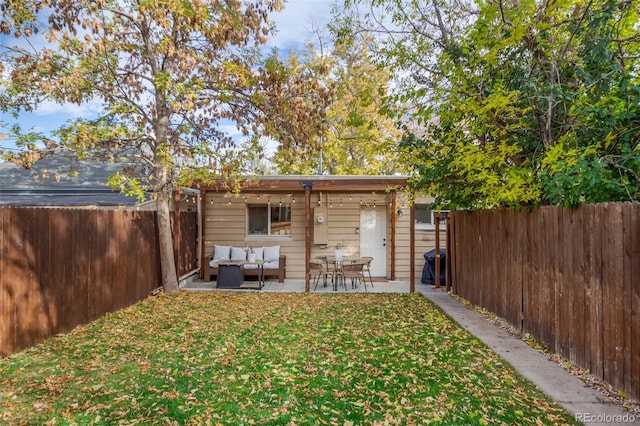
column 514, row 102
column 166, row 73
column 350, row 134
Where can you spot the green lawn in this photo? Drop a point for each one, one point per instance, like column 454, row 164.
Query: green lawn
column 270, row 358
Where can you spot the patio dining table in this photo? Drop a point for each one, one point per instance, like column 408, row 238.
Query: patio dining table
column 337, row 263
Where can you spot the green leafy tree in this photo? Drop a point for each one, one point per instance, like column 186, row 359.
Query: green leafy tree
column 166, row 73
column 515, row 103
column 360, row 136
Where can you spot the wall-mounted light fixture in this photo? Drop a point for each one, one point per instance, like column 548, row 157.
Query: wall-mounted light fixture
column 399, row 213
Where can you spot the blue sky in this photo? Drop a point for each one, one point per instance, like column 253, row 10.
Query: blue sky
column 295, row 26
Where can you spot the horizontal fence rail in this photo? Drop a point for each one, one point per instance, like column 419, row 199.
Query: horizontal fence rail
column 569, row 277
column 60, row 268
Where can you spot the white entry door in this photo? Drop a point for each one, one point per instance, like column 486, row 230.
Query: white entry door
column 373, row 234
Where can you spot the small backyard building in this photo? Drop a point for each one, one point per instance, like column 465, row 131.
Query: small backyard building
column 311, row 216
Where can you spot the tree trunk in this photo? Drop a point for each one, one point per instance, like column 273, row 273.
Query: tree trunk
column 165, row 240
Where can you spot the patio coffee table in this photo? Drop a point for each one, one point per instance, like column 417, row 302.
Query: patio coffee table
column 231, row 273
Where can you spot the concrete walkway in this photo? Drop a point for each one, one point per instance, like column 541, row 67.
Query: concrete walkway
column 586, row 404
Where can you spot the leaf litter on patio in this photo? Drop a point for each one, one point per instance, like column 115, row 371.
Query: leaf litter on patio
column 270, row 358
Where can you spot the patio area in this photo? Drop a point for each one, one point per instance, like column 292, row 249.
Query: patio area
column 297, row 286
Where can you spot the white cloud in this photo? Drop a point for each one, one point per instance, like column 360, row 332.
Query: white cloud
column 296, row 22
column 50, row 116
column 84, row 110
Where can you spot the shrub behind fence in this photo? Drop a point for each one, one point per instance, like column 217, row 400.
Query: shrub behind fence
column 63, row 267
column 569, row 277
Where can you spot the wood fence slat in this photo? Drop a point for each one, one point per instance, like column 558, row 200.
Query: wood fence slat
column 577, row 339
column 60, row 249
column 81, row 293
column 124, row 265
column 112, row 267
column 4, row 281
column 547, row 315
column 115, row 262
column 531, row 296
column 469, row 261
column 514, row 279
column 10, row 272
column 595, row 296
column 482, row 274
column 189, row 242
column 631, row 260
column 102, row 265
column 635, row 297
column 28, row 321
column 143, row 225
column 507, row 269
column 503, row 269
column 522, row 243
column 612, row 277
column 489, row 224
column 48, row 302
column 587, row 222
column 565, row 285
column 607, row 281
column 463, row 241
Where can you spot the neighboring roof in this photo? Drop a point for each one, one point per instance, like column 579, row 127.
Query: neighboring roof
column 338, row 183
column 38, row 186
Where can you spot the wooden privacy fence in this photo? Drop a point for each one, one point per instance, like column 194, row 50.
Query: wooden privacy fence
column 63, row 267
column 569, row 277
column 185, row 242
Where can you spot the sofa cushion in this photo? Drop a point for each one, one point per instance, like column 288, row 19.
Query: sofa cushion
column 273, row 264
column 238, row 254
column 271, row 254
column 221, row 252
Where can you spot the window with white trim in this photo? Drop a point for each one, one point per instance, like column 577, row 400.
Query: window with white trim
column 268, row 219
column 424, row 217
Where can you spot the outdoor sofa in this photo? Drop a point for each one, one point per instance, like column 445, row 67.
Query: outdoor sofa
column 275, row 263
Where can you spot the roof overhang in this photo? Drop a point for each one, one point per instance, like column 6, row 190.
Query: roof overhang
column 291, row 183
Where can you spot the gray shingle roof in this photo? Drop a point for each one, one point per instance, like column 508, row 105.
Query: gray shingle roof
column 38, row 186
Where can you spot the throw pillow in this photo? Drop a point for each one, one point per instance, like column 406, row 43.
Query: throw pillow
column 272, row 253
column 221, row 252
column 238, row 254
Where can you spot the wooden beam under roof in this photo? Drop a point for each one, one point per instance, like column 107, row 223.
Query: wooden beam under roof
column 320, row 183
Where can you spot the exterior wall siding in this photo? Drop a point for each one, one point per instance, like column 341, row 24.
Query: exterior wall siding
column 225, row 224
